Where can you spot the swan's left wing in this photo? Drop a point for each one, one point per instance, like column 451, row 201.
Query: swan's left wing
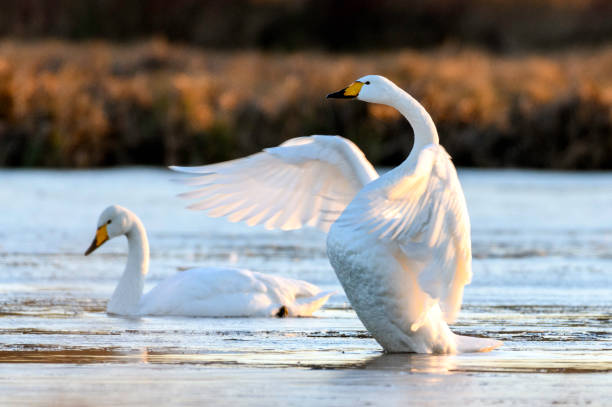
column 421, row 208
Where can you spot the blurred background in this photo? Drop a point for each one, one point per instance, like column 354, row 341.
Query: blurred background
column 509, row 83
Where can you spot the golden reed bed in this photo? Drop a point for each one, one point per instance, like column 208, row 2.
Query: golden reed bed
column 151, row 102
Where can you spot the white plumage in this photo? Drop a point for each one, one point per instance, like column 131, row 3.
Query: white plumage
column 223, row 292
column 402, row 252
column 419, row 206
column 198, row 292
column 400, row 244
column 306, row 181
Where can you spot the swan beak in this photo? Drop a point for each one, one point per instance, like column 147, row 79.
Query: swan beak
column 347, row 93
column 101, row 237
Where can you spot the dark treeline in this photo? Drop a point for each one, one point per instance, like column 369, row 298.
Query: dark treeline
column 349, row 25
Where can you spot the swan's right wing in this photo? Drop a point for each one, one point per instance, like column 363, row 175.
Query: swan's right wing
column 306, row 181
column 420, row 207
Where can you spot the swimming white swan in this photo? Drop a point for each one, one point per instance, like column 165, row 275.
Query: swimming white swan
column 400, row 243
column 203, row 292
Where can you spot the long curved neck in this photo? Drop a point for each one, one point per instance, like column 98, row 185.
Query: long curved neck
column 126, row 298
column 424, row 129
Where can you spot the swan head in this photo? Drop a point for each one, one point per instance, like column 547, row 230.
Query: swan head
column 113, row 221
column 369, row 88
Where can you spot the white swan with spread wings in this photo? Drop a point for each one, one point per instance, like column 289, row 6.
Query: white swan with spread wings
column 399, row 243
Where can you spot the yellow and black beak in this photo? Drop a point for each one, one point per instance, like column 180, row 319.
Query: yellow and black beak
column 347, row 93
column 101, row 237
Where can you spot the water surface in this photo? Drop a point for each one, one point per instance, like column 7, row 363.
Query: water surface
column 542, row 244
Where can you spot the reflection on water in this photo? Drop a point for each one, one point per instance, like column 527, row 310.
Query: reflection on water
column 413, row 363
column 528, row 362
column 542, row 278
column 66, row 356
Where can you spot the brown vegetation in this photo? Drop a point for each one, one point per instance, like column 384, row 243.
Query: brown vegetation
column 97, row 104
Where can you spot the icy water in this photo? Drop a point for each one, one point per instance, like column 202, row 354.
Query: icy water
column 542, row 244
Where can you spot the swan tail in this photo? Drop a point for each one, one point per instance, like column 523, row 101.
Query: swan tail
column 304, row 307
column 467, row 344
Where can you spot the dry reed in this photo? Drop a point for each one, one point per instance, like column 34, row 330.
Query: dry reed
column 97, row 104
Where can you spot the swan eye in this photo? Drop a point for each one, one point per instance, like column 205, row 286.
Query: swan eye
column 367, row 82
column 109, row 222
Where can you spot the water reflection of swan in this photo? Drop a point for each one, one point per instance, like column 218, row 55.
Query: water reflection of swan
column 211, row 291
column 400, row 243
column 411, row 362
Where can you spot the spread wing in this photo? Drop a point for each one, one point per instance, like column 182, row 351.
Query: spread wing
column 421, row 207
column 306, row 181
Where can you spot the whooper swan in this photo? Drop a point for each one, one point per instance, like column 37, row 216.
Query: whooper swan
column 399, row 243
column 198, row 292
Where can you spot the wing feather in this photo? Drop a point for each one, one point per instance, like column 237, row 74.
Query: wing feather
column 304, row 181
column 420, row 206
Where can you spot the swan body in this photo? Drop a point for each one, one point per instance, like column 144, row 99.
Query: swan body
column 405, row 280
column 198, row 292
column 399, row 243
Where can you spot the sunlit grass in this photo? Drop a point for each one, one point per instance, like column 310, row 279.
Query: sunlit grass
column 96, row 103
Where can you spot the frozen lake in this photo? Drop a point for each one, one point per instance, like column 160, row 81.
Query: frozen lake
column 542, row 244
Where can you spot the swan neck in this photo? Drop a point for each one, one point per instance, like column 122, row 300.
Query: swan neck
column 126, row 298
column 424, row 129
